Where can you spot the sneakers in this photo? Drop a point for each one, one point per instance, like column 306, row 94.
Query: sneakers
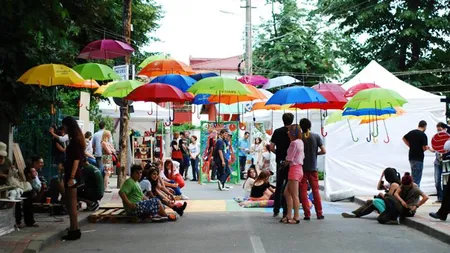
column 437, row 202
column 219, row 184
column 93, row 207
column 225, row 189
column 436, row 216
column 348, row 215
column 320, row 217
column 228, row 187
column 184, row 197
column 180, row 210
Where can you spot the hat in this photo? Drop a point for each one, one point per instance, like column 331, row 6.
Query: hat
column 3, row 149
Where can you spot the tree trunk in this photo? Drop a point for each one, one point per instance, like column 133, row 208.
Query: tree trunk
column 126, row 19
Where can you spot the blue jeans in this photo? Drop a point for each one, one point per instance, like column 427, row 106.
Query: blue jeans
column 416, row 171
column 177, row 190
column 223, row 172
column 437, row 180
column 194, row 166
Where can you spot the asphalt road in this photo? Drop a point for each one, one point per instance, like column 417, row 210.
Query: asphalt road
column 249, row 231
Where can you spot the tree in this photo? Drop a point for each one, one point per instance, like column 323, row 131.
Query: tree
column 298, row 44
column 402, row 35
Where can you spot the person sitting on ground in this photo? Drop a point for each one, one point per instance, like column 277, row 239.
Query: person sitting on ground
column 27, row 206
column 162, row 193
column 393, row 183
column 93, row 189
column 249, row 182
column 169, row 183
column 262, row 190
column 135, row 202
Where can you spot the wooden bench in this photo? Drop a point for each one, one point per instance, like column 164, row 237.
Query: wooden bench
column 112, row 215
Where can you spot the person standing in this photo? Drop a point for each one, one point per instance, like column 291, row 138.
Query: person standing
column 108, row 152
column 72, row 173
column 244, row 146
column 183, row 144
column 220, row 160
column 177, row 155
column 417, row 141
column 194, row 152
column 279, row 144
column 312, row 143
column 97, row 146
column 443, row 211
column 440, row 127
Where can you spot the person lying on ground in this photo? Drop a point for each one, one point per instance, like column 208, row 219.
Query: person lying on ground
column 135, row 202
column 262, row 190
column 393, row 183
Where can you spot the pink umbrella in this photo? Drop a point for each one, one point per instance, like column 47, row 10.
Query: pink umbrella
column 359, row 87
column 105, row 49
column 253, row 80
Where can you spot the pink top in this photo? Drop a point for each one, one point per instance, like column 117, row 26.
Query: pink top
column 295, row 153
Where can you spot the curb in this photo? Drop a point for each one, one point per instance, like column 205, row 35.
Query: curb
column 417, row 225
column 40, row 242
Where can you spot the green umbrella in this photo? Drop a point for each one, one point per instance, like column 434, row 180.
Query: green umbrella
column 120, row 89
column 153, row 58
column 376, row 98
column 218, row 85
column 96, row 71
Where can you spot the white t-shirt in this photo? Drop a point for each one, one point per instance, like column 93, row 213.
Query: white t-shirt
column 194, row 149
column 248, row 184
column 146, row 186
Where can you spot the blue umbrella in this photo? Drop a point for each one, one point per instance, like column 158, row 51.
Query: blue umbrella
column 296, row 95
column 200, row 76
column 201, row 99
column 181, row 82
column 368, row 111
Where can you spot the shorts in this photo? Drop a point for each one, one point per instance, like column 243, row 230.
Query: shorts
column 295, row 172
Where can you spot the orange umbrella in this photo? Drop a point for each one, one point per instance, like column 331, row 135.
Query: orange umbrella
column 165, row 67
column 366, row 119
column 89, row 84
column 232, row 99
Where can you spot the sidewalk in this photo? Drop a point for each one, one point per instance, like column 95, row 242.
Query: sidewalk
column 422, row 221
column 50, row 230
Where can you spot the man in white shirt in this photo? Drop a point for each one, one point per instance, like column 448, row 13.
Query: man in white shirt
column 97, row 145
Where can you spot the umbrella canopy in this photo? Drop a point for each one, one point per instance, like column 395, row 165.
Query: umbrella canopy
column 120, row 89
column 231, row 99
column 296, row 95
column 261, row 105
column 333, row 93
column 253, row 80
column 266, row 93
column 105, row 49
column 181, row 82
column 102, row 89
column 88, row 84
column 365, row 115
column 219, row 86
column 201, row 99
column 376, row 98
column 96, row 71
column 165, row 67
column 50, row 75
column 153, row 58
column 158, row 93
column 368, row 112
column 359, row 87
column 280, row 81
column 201, row 76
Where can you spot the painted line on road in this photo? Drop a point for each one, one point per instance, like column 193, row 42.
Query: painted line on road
column 257, row 244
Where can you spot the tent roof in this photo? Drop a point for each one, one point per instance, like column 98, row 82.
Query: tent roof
column 375, row 73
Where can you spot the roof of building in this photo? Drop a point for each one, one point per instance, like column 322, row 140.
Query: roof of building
column 230, row 63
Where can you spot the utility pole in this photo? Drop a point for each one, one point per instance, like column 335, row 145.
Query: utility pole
column 248, row 37
column 121, row 177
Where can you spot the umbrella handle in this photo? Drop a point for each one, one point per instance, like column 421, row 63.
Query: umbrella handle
column 156, row 128
column 387, row 134
column 198, row 115
column 168, row 123
column 324, row 134
column 369, row 139
column 324, row 114
column 195, row 109
column 351, row 132
column 79, row 104
column 375, row 132
column 151, row 111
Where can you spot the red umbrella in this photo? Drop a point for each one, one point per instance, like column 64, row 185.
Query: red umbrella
column 359, row 87
column 334, row 93
column 253, row 80
column 105, row 49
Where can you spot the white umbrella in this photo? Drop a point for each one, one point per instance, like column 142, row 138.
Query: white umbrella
column 266, row 93
column 280, row 81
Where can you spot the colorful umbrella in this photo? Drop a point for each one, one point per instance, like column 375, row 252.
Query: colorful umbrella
column 359, row 87
column 102, row 89
column 201, row 99
column 105, row 49
column 165, row 67
column 120, row 89
column 50, row 75
column 219, row 86
column 88, row 84
column 153, row 58
column 231, row 99
column 181, row 82
column 296, row 95
column 96, row 71
column 201, row 76
column 377, row 98
column 253, row 80
column 280, row 81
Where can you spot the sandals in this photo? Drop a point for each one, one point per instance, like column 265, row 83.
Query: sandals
column 284, row 219
column 291, row 221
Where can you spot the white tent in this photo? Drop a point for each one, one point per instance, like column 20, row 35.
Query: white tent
column 358, row 165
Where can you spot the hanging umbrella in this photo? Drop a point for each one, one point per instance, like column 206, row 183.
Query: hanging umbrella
column 201, row 99
column 253, row 80
column 120, row 89
column 296, row 95
column 219, row 86
column 50, row 75
column 231, row 99
column 165, row 67
column 359, row 87
column 266, row 93
column 377, row 98
column 96, row 71
column 102, row 89
column 88, row 84
column 105, row 49
column 181, row 82
column 280, row 81
column 201, row 76
column 153, row 58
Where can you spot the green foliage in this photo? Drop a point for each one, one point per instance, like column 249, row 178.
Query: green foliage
column 402, row 35
column 183, row 127
column 321, row 175
column 296, row 43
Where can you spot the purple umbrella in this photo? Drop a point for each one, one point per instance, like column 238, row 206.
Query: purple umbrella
column 105, row 49
column 253, row 80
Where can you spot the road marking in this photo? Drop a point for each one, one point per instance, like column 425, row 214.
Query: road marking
column 257, row 244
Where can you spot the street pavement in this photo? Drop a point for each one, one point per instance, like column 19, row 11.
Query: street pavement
column 215, row 223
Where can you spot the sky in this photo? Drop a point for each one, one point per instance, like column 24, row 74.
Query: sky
column 204, row 28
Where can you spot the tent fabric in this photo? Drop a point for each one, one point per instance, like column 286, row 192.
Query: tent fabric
column 358, row 165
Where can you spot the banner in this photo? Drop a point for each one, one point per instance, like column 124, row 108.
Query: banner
column 209, row 133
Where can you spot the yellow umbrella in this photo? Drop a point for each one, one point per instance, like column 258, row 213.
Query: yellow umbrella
column 89, row 84
column 50, row 75
column 102, row 88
